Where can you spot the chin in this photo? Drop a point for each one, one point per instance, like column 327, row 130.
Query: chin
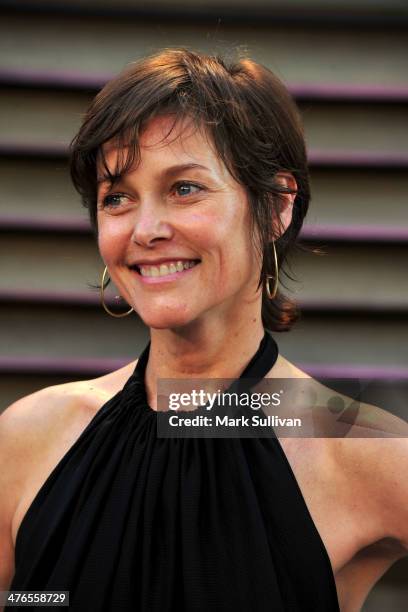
column 166, row 320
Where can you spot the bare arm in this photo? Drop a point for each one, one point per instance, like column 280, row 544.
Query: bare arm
column 381, row 469
column 35, row 432
column 386, row 471
column 6, row 548
column 9, row 480
column 23, row 431
column 393, row 478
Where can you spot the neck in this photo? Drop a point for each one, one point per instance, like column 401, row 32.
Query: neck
column 199, row 352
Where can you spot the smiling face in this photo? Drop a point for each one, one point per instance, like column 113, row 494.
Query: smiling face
column 179, row 204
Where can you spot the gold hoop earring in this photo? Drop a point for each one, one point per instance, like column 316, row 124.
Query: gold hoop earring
column 272, row 294
column 113, row 314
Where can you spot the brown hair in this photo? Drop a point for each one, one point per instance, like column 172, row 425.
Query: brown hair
column 251, row 119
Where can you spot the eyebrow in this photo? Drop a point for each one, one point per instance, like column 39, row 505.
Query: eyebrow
column 167, row 173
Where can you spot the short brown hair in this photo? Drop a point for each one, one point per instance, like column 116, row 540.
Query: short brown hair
column 248, row 113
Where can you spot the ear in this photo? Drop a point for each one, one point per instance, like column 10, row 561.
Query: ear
column 285, row 204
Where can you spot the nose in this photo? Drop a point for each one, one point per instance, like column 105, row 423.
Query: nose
column 150, row 224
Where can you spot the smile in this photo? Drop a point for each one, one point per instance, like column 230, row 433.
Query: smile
column 168, row 271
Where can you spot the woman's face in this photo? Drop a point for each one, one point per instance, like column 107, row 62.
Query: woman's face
column 179, row 204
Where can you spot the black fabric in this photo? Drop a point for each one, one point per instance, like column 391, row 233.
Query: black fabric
column 128, row 520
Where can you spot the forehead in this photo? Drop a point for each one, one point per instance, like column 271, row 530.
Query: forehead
column 165, row 141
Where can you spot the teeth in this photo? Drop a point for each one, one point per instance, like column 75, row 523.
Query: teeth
column 165, row 269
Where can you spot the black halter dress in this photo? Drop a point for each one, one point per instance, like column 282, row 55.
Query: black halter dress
column 130, row 521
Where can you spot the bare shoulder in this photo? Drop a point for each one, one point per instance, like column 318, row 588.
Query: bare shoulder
column 29, row 426
column 367, row 448
column 35, row 417
column 25, row 428
column 38, row 429
column 35, row 433
column 336, row 414
column 38, row 415
column 31, row 423
column 380, row 466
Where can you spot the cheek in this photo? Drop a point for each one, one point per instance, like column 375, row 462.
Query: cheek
column 105, row 248
column 111, row 241
column 239, row 259
column 229, row 245
column 218, row 221
column 203, row 231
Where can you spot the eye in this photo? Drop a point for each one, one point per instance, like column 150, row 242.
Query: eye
column 185, row 188
column 112, row 200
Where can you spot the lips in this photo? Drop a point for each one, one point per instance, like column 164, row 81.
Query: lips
column 159, row 262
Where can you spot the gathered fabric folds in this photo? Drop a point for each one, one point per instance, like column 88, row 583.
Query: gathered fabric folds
column 129, row 521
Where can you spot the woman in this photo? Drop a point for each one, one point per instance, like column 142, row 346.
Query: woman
column 196, row 180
